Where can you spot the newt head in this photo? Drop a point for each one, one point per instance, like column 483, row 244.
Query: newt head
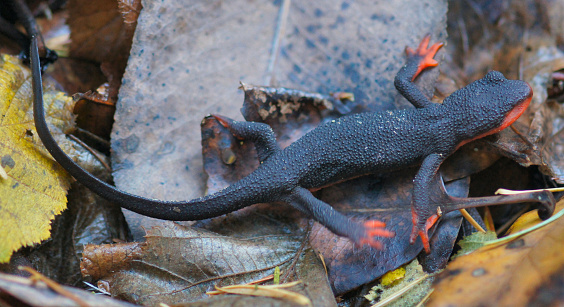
column 487, row 106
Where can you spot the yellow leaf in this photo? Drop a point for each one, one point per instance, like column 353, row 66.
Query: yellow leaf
column 35, row 188
column 510, row 274
column 393, row 276
column 407, row 291
column 529, row 219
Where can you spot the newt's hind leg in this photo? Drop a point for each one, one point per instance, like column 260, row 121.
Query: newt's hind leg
column 431, row 201
column 259, row 133
column 361, row 233
column 417, row 60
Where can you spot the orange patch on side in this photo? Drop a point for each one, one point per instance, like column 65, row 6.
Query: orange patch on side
column 515, row 113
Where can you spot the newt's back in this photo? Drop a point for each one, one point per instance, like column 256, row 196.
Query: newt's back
column 360, row 144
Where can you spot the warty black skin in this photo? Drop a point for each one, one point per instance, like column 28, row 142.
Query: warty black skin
column 344, row 148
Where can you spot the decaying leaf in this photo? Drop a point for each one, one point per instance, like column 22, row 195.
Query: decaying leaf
column 511, row 274
column 35, row 190
column 102, row 31
column 180, row 264
column 98, row 31
column 100, row 260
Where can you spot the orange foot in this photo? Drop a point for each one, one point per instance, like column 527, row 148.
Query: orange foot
column 224, row 121
column 426, row 54
column 375, row 229
column 422, row 231
column 227, row 123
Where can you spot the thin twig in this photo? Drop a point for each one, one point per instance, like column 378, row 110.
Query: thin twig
column 92, row 151
column 36, row 276
column 299, row 252
column 513, row 192
column 471, row 220
column 523, row 137
column 278, row 33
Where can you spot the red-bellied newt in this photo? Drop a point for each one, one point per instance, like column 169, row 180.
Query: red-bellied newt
column 338, row 150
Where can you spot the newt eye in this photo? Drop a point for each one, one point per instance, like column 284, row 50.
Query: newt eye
column 495, row 76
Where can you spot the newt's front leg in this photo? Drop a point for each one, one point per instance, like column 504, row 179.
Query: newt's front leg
column 260, row 134
column 417, row 61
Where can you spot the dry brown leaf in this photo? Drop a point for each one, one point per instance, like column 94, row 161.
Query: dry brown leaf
column 100, row 260
column 130, row 10
column 512, row 274
column 99, row 32
column 180, row 264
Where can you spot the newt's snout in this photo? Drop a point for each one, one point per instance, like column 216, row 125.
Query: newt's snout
column 517, row 90
column 525, row 91
column 521, row 104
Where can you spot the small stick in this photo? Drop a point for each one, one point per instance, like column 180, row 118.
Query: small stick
column 512, row 192
column 36, row 276
column 425, row 298
column 472, row 221
column 92, row 151
column 522, row 137
column 488, row 219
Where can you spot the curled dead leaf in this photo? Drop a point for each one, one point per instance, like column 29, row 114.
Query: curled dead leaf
column 100, row 260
